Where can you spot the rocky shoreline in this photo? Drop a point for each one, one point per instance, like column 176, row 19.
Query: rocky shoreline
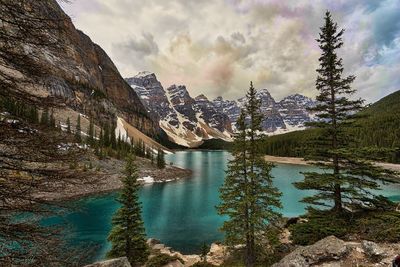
column 104, row 176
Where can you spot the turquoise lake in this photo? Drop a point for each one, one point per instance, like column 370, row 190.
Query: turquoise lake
column 182, row 213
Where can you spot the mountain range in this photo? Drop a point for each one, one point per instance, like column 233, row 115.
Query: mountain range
column 189, row 121
column 85, row 81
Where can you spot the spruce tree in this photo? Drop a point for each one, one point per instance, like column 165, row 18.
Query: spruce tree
column 160, row 159
column 45, row 117
column 347, row 178
column 68, row 125
column 78, row 137
column 52, row 120
column 106, row 135
column 90, row 138
column 248, row 196
column 113, row 137
column 128, row 234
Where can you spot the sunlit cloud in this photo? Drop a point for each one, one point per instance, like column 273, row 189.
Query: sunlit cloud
column 217, row 47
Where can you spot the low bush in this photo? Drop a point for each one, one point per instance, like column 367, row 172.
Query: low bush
column 378, row 226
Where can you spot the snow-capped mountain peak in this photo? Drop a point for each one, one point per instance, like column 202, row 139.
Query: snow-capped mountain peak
column 186, row 121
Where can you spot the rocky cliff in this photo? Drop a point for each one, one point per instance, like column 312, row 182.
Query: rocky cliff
column 289, row 114
column 187, row 121
column 82, row 77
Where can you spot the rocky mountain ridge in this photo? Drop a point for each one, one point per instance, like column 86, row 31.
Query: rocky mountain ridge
column 189, row 121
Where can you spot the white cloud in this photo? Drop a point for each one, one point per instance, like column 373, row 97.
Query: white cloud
column 217, row 47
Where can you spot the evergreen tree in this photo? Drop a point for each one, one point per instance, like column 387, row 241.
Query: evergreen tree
column 45, row 117
column 113, row 138
column 101, row 137
column 160, row 159
column 34, row 115
column 128, row 234
column 348, row 178
column 52, row 120
column 90, row 138
column 106, row 135
column 152, row 155
column 68, row 125
column 248, row 196
column 78, row 137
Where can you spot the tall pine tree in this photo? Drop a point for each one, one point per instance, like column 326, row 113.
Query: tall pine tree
column 348, row 178
column 78, row 137
column 248, row 196
column 68, row 125
column 90, row 138
column 128, row 234
column 160, row 159
column 45, row 117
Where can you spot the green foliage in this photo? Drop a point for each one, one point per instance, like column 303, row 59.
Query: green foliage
column 248, row 196
column 90, row 138
column 215, row 144
column 293, row 144
column 378, row 226
column 78, row 130
column 44, row 119
column 161, row 259
column 128, row 234
column 319, row 226
column 160, row 159
column 68, row 125
column 204, row 251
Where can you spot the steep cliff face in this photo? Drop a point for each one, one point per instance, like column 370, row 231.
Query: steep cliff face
column 83, row 77
column 289, row 114
column 294, row 111
column 211, row 115
column 187, row 121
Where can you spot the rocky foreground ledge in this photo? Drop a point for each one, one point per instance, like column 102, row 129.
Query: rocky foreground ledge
column 333, row 252
column 328, row 252
column 216, row 256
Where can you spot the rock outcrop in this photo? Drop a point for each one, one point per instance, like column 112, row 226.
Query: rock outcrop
column 332, row 252
column 293, row 110
column 189, row 260
column 187, row 121
column 81, row 76
column 289, row 114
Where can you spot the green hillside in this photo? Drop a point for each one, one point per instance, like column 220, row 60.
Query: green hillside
column 379, row 127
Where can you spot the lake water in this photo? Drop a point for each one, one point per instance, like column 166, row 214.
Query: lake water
column 182, row 214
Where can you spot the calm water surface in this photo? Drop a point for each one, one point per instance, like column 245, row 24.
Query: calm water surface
column 182, row 214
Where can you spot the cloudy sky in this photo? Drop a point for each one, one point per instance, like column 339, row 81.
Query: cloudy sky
column 216, row 47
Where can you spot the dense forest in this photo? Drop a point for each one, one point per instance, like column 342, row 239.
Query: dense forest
column 377, row 126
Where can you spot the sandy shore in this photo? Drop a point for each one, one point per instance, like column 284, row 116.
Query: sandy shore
column 301, row 161
column 106, row 177
column 287, row 160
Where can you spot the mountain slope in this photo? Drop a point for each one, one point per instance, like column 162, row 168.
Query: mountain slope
column 83, row 78
column 287, row 115
column 379, row 127
column 187, row 121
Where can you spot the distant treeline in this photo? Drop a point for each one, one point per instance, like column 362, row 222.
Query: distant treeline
column 378, row 127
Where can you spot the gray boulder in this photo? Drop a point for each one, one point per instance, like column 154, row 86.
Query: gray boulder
column 372, row 250
column 327, row 249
